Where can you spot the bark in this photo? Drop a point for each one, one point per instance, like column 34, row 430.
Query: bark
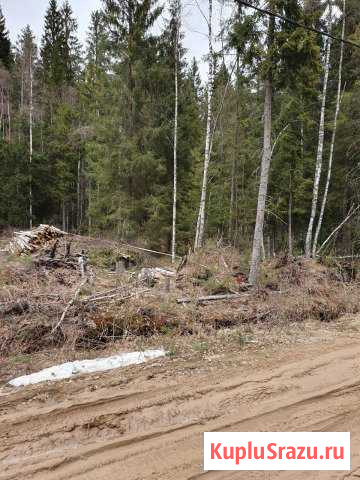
column 265, row 167
column 78, row 193
column 22, row 90
column 173, row 243
column 9, row 118
column 31, row 142
column 210, row 298
column 63, row 216
column 89, row 208
column 319, row 157
column 234, row 160
column 332, row 147
column 290, row 234
column 199, row 237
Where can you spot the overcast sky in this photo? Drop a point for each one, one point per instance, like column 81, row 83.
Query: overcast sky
column 19, row 13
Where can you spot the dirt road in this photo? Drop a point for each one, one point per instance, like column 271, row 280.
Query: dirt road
column 147, row 422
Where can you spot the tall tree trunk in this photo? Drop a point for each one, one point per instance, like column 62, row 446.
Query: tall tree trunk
column 200, row 227
column 31, row 142
column 265, row 166
column 89, row 207
column 290, row 233
column 63, row 216
column 1, row 109
column 9, row 118
column 319, row 157
column 235, row 154
column 173, row 243
column 22, row 90
column 78, row 193
column 332, row 147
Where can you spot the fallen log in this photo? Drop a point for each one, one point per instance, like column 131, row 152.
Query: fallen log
column 210, row 298
column 149, row 276
column 56, row 263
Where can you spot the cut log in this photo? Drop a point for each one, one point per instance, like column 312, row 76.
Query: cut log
column 56, row 263
column 30, row 241
column 150, row 276
column 210, row 298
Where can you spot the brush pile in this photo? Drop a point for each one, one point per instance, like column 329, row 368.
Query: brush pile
column 51, row 297
column 30, row 241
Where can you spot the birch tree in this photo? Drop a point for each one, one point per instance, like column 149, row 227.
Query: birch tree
column 31, row 106
column 333, row 138
column 265, row 166
column 27, row 52
column 177, row 6
column 266, row 157
column 200, row 227
column 320, row 149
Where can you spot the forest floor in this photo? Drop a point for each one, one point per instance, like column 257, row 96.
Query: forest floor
column 284, row 356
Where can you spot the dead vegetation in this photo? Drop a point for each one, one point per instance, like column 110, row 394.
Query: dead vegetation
column 125, row 295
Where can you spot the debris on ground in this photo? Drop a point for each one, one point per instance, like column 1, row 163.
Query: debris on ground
column 69, row 369
column 84, row 293
column 150, row 276
column 30, row 241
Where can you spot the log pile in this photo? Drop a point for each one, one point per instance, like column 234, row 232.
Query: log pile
column 30, row 241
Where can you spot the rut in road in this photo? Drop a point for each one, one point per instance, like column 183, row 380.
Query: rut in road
column 151, row 426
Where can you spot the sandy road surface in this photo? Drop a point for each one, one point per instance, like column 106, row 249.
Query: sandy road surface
column 147, row 422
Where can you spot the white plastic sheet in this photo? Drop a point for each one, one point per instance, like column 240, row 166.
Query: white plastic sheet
column 67, row 370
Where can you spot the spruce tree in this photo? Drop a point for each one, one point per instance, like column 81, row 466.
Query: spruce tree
column 52, row 46
column 5, row 44
column 70, row 46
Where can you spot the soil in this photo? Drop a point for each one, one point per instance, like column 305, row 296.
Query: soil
column 147, row 422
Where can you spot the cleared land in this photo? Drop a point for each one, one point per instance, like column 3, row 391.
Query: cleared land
column 284, row 356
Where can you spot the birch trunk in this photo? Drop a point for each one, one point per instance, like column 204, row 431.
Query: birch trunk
column 199, row 237
column 264, row 179
column 1, row 109
column 265, row 167
column 9, row 118
column 234, row 160
column 31, row 106
column 173, row 243
column 290, row 233
column 63, row 217
column 78, row 193
column 319, row 157
column 89, row 208
column 332, row 147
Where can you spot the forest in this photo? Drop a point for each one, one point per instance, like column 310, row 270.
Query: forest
column 123, row 138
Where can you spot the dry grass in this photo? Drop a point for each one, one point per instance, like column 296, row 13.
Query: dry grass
column 32, row 300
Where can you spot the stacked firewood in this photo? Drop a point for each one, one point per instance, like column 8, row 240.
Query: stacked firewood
column 30, row 241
